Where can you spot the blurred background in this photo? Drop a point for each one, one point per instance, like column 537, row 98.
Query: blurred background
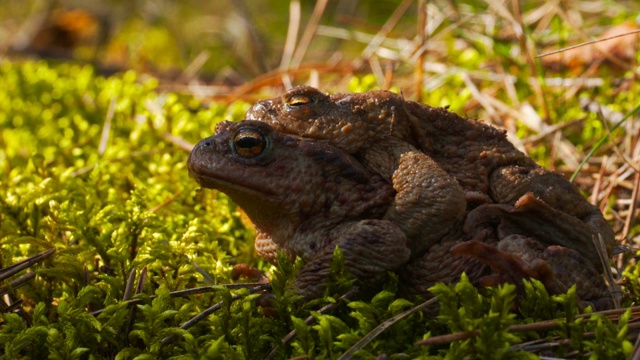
column 411, row 44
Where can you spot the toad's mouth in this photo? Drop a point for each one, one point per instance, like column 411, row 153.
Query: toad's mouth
column 233, row 185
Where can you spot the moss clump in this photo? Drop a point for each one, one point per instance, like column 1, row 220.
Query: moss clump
column 88, row 171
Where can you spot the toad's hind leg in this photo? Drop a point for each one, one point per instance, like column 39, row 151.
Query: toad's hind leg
column 512, row 184
column 519, row 257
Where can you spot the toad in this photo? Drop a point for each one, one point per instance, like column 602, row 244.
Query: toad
column 305, row 197
column 444, row 168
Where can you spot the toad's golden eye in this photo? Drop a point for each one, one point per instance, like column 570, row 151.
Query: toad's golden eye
column 298, row 100
column 249, row 143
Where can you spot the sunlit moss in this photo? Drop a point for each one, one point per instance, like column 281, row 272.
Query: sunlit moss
column 116, row 199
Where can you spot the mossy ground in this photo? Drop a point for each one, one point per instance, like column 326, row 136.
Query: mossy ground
column 91, row 166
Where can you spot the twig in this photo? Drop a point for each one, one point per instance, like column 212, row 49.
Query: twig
column 325, row 309
column 19, row 266
column 384, row 326
column 187, row 292
column 533, row 327
column 17, row 282
column 201, row 316
column 133, row 310
column 449, row 338
column 166, row 202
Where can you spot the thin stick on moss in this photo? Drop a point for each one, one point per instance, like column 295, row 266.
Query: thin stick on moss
column 533, row 327
column 18, row 282
column 132, row 314
column 384, row 326
column 201, row 316
column 187, row 292
column 19, row 266
column 309, row 320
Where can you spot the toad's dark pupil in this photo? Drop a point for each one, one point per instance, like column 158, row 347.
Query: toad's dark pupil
column 248, row 142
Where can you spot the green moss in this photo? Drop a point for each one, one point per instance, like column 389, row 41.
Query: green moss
column 116, row 199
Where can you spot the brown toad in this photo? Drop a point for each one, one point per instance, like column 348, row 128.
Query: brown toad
column 443, row 168
column 305, row 197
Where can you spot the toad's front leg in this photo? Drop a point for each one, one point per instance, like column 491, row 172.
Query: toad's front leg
column 370, row 248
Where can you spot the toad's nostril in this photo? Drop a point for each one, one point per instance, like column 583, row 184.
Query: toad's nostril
column 206, row 143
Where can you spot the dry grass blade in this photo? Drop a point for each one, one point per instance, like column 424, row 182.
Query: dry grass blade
column 309, row 31
column 422, row 38
column 614, row 291
column 386, row 28
column 292, row 34
column 630, row 219
column 191, row 71
column 178, row 141
column 17, row 267
column 106, row 128
column 520, row 29
column 325, row 309
column 587, row 43
column 275, row 77
column 290, row 42
column 384, row 326
column 602, row 140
